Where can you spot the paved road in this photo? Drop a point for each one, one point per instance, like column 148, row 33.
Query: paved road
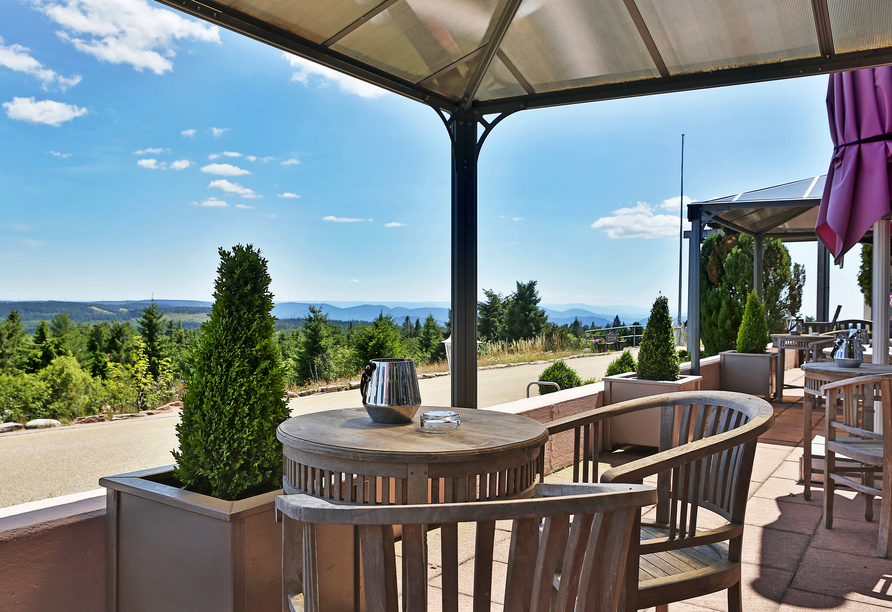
column 40, row 464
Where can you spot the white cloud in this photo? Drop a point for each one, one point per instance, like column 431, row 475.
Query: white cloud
column 188, row 133
column 288, row 194
column 290, row 162
column 245, row 206
column 354, row 281
column 517, row 219
column 251, row 158
column 48, row 112
column 211, row 203
column 149, row 163
column 267, row 159
column 57, row 154
column 224, row 170
column 151, row 151
column 16, row 57
column 305, row 69
column 343, row 219
column 672, row 203
column 233, row 188
column 213, row 156
column 394, row 224
column 180, row 164
column 231, row 154
column 639, row 221
column 217, row 132
column 125, row 31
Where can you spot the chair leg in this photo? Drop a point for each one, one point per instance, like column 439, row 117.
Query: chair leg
column 829, row 486
column 868, row 498
column 885, row 524
column 662, row 608
column 735, row 601
column 808, row 403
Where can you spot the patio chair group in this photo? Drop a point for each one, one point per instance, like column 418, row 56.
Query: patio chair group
column 571, row 546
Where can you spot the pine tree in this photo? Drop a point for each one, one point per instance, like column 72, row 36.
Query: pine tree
column 381, row 339
column 316, row 340
column 753, row 334
column 523, row 317
column 430, row 342
column 151, row 329
column 235, row 387
column 657, row 358
column 489, row 316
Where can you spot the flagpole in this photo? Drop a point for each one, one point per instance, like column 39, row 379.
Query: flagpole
column 680, row 228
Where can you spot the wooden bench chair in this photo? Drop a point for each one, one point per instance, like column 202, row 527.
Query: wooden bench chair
column 849, row 426
column 590, row 550
column 692, row 545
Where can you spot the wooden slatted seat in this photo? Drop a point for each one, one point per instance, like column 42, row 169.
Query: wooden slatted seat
column 707, row 444
column 849, row 407
column 586, row 530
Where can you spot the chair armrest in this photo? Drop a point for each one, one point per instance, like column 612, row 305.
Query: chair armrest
column 636, row 471
column 604, row 413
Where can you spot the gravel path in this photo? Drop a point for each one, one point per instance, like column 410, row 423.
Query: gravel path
column 39, row 464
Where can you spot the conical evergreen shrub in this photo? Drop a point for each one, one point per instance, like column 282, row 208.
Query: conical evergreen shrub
column 234, row 388
column 657, row 358
column 753, row 333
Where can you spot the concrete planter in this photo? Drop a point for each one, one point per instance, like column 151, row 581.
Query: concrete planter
column 752, row 373
column 173, row 550
column 641, row 428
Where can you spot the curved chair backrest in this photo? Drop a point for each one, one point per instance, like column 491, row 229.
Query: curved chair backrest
column 589, row 552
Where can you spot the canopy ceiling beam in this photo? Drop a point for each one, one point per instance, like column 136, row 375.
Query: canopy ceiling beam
column 515, row 72
column 364, row 19
column 646, row 37
column 451, row 66
column 822, row 27
column 291, row 43
column 733, row 226
column 717, row 207
column 698, row 80
column 500, row 28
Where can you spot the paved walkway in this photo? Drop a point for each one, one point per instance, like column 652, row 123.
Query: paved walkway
column 36, row 465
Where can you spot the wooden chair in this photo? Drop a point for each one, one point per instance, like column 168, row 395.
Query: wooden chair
column 868, row 452
column 591, row 551
column 707, row 443
column 614, row 341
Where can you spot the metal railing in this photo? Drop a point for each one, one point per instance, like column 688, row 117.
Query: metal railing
column 629, row 339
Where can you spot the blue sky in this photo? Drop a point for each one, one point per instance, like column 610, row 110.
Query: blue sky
column 135, row 141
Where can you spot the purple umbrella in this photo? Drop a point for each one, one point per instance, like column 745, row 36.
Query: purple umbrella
column 857, row 192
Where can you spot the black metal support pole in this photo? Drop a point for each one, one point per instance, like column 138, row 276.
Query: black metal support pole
column 464, row 258
column 822, row 312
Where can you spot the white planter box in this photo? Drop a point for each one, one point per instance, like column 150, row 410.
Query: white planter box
column 752, row 373
column 641, row 428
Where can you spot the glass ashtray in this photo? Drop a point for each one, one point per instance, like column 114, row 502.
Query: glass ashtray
column 440, row 421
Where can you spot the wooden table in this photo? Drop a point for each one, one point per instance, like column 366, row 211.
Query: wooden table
column 343, row 455
column 809, row 342
column 818, row 374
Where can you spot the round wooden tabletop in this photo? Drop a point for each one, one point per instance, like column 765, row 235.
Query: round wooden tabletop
column 350, row 434
column 829, row 368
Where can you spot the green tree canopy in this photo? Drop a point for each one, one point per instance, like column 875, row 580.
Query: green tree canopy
column 13, row 344
column 657, row 357
column 381, row 339
column 489, row 316
column 152, row 330
column 523, row 317
column 317, row 338
column 430, row 342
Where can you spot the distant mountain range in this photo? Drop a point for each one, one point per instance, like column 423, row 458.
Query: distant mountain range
column 193, row 312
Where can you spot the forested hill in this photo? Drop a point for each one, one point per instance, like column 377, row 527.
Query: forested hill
column 94, row 312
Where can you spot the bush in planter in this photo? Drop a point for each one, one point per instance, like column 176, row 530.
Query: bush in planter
column 234, row 388
column 622, row 364
column 560, row 373
column 753, row 334
column 657, row 359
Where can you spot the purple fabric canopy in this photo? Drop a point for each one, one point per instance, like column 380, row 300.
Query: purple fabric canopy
column 857, row 192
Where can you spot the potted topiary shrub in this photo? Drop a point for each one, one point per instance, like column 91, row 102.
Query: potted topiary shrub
column 657, row 372
column 751, row 368
column 202, row 535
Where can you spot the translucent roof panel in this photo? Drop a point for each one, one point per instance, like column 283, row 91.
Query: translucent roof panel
column 413, row 39
column 860, row 24
column 788, row 191
column 316, row 21
column 571, row 43
column 501, row 55
column 500, row 82
column 698, row 35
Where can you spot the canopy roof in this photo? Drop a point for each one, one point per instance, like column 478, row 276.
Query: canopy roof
column 501, row 55
column 787, row 211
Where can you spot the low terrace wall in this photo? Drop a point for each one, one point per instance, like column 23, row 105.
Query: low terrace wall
column 53, row 552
